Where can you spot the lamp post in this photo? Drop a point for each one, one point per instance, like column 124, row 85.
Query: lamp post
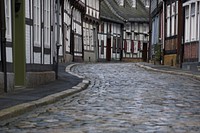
column 3, row 41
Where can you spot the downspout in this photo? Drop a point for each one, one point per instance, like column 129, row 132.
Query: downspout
column 58, row 36
column 183, row 38
column 163, row 26
column 3, row 43
column 122, row 40
column 150, row 34
column 199, row 32
column 180, row 23
column 71, row 50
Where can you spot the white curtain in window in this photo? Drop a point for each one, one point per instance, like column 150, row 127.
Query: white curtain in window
column 168, row 20
column 173, row 11
column 8, row 20
column 187, row 26
column 193, row 28
column 37, row 22
column 47, row 23
column 176, row 17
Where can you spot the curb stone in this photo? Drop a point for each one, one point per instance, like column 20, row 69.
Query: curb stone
column 25, row 107
column 168, row 72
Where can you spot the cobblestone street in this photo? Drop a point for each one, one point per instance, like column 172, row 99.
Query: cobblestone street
column 122, row 98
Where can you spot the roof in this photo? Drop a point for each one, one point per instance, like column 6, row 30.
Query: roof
column 112, row 11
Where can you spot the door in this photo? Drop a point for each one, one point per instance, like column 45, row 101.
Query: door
column 108, row 49
column 144, row 52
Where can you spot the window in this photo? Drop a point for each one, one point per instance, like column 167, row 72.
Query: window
column 37, row 22
column 114, row 45
column 136, row 27
column 187, row 26
column 193, row 30
column 198, row 16
column 121, row 2
column 102, row 47
column 97, row 5
column 8, row 20
column 168, row 21
column 173, row 19
column 133, row 3
column 177, row 18
column 47, row 22
column 147, row 3
column 102, row 27
column 144, row 28
column 118, row 45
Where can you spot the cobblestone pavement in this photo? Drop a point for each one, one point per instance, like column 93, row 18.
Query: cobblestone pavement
column 122, row 98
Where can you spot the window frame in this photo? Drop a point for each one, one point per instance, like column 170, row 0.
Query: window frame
column 47, row 25
column 187, row 23
column 173, row 20
column 168, row 18
column 37, row 22
column 192, row 22
column 8, row 18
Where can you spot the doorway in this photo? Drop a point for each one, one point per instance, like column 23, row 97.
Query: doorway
column 144, row 52
column 108, row 49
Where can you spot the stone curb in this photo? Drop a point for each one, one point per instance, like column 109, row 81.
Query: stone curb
column 25, row 107
column 168, row 72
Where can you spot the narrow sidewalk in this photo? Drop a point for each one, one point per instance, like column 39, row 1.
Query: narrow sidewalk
column 22, row 100
column 169, row 70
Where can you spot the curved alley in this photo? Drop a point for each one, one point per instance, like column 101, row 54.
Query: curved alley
column 122, row 98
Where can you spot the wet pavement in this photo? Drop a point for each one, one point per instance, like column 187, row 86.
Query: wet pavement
column 122, row 98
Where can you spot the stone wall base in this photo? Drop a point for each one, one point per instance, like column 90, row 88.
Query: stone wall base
column 10, row 82
column 89, row 56
column 132, row 59
column 34, row 79
column 191, row 66
column 170, row 60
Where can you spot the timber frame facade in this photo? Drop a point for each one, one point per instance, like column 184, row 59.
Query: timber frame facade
column 191, row 29
column 123, row 33
column 90, row 28
column 30, row 43
column 73, row 13
column 178, row 33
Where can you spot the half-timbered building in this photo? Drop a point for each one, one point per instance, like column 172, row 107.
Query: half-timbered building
column 173, row 32
column 6, row 46
column 71, row 48
column 191, row 49
column 123, row 33
column 157, row 31
column 31, row 48
column 90, row 28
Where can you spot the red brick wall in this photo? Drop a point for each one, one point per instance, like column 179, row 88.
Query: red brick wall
column 171, row 44
column 191, row 50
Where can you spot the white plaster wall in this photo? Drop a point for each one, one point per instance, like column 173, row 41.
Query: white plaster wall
column 27, row 14
column 47, row 59
column 9, row 54
column 37, row 57
column 28, row 45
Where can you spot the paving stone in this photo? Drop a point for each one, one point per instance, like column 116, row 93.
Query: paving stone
column 121, row 98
